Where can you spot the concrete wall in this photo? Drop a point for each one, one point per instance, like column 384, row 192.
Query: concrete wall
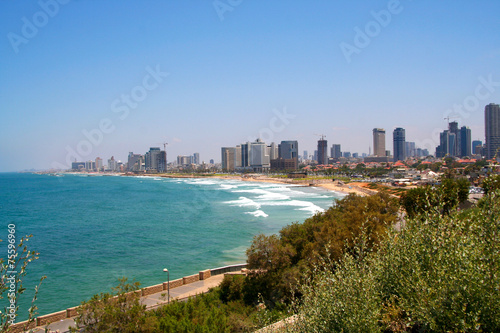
column 72, row 312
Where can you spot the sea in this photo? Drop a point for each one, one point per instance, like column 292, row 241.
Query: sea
column 92, row 230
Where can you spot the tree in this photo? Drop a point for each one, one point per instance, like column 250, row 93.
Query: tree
column 281, row 263
column 438, row 274
column 12, row 272
column 118, row 312
column 491, row 183
column 446, row 197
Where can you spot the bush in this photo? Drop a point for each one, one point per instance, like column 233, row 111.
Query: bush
column 439, row 274
column 117, row 312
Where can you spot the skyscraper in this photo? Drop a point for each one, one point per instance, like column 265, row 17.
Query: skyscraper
column 196, row 158
column 335, row 151
column 322, row 151
column 379, row 142
column 399, row 144
column 465, row 141
column 152, row 159
column 492, row 130
column 289, row 150
column 475, row 144
column 230, row 157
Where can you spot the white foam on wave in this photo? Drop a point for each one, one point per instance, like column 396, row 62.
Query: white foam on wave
column 243, row 202
column 227, row 186
column 200, row 182
column 304, row 205
column 264, row 195
column 258, row 213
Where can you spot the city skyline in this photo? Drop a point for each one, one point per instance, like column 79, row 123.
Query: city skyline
column 127, row 76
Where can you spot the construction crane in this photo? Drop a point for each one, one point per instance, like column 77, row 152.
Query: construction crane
column 321, row 135
column 165, row 150
column 448, row 118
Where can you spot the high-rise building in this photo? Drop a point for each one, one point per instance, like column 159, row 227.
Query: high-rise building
column 273, row 151
column 399, row 144
column 156, row 160
column 465, row 141
column 132, row 163
column 492, row 130
column 306, row 157
column 454, row 149
column 410, row 150
column 379, row 142
column 475, row 145
column 98, row 164
column 335, row 151
column 288, row 156
column 259, row 156
column 90, row 165
column 322, row 151
column 196, row 158
column 255, row 155
column 113, row 164
column 230, row 158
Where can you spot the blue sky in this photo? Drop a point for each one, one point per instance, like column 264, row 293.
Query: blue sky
column 237, row 69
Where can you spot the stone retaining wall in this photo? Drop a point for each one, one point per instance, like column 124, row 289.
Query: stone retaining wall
column 152, row 290
column 191, row 278
column 72, row 312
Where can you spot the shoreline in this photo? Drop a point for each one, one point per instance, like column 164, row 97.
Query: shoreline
column 349, row 188
column 327, row 184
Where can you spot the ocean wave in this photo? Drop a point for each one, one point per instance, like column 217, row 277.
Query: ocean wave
column 264, row 195
column 304, row 205
column 258, row 213
column 243, row 202
column 227, row 186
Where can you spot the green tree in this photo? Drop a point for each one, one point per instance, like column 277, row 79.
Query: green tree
column 491, row 184
column 120, row 311
column 446, row 197
column 438, row 274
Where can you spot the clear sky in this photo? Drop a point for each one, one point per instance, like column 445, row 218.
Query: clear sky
column 202, row 75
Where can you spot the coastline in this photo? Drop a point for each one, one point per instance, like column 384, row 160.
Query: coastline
column 327, row 184
column 349, row 188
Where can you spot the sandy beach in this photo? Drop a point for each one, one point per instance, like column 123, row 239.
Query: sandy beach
column 336, row 186
column 324, row 183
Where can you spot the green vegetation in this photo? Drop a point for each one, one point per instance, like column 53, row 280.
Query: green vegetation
column 354, row 268
column 280, row 263
column 11, row 284
column 439, row 274
column 491, row 184
column 120, row 311
column 446, row 197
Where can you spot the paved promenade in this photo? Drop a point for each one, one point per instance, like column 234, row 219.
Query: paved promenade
column 152, row 301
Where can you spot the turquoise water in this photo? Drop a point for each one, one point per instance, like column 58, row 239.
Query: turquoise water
column 92, row 230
